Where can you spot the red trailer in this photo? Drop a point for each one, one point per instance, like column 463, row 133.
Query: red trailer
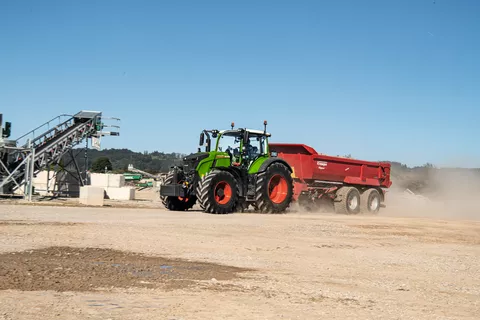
column 348, row 185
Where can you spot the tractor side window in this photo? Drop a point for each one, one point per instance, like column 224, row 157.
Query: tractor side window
column 257, row 146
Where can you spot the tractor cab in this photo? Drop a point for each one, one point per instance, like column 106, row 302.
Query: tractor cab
column 242, row 145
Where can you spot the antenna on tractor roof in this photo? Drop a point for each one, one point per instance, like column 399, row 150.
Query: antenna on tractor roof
column 233, row 125
column 265, row 127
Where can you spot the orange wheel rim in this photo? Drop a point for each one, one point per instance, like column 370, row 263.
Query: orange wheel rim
column 222, row 192
column 277, row 189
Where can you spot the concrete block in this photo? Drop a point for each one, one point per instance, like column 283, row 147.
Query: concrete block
column 98, row 180
column 107, row 180
column 40, row 181
column 41, row 188
column 92, row 196
column 124, row 193
column 116, row 180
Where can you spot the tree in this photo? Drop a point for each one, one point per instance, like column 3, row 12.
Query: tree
column 100, row 163
column 428, row 165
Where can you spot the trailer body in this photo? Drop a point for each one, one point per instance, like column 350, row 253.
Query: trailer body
column 320, row 179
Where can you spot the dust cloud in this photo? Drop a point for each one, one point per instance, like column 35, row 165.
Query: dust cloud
column 447, row 194
column 433, row 193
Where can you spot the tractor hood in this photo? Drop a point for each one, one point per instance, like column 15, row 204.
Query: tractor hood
column 191, row 161
column 196, row 156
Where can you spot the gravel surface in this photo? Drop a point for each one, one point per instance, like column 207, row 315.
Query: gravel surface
column 300, row 266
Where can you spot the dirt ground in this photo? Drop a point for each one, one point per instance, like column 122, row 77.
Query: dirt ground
column 60, row 262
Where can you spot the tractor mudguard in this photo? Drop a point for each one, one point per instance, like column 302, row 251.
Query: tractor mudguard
column 270, row 161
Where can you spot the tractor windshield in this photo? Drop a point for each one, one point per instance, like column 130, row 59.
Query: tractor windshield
column 229, row 142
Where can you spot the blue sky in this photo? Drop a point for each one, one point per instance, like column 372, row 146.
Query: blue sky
column 394, row 80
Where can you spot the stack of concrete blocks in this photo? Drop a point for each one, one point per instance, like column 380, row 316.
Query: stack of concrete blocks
column 114, row 186
column 63, row 183
column 40, row 182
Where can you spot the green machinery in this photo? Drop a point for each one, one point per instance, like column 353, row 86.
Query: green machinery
column 238, row 172
column 135, row 179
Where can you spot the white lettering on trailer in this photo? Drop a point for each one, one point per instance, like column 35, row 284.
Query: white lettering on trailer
column 321, row 165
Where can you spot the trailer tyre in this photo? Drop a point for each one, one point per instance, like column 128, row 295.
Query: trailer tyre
column 177, row 203
column 274, row 189
column 347, row 201
column 217, row 192
column 370, row 201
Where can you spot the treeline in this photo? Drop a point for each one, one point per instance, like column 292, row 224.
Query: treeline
column 152, row 162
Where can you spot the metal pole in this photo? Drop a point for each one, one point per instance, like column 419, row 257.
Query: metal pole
column 86, row 161
column 32, row 169
column 27, row 171
column 77, row 168
column 48, row 178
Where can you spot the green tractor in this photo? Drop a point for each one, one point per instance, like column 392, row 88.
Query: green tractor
column 239, row 172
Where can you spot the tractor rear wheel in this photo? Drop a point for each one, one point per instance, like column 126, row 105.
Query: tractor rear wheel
column 177, row 203
column 370, row 201
column 347, row 201
column 217, row 192
column 274, row 189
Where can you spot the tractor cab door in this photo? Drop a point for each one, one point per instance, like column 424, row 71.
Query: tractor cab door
column 254, row 148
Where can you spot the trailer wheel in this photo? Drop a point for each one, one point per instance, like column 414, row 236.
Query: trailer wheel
column 370, row 201
column 347, row 201
column 274, row 189
column 217, row 192
column 177, row 203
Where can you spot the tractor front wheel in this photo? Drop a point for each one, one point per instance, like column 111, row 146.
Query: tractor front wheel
column 177, row 203
column 217, row 192
column 274, row 189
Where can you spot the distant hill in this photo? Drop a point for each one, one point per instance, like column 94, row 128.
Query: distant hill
column 152, row 162
column 424, row 180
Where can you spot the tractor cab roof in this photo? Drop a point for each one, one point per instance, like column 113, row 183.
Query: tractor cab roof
column 240, row 131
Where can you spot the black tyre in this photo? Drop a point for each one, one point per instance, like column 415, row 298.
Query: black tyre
column 217, row 192
column 347, row 201
column 274, row 189
column 177, row 203
column 241, row 205
column 370, row 201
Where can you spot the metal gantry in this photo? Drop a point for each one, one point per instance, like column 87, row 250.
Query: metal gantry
column 23, row 158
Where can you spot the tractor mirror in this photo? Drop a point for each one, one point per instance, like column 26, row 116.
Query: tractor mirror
column 202, row 138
